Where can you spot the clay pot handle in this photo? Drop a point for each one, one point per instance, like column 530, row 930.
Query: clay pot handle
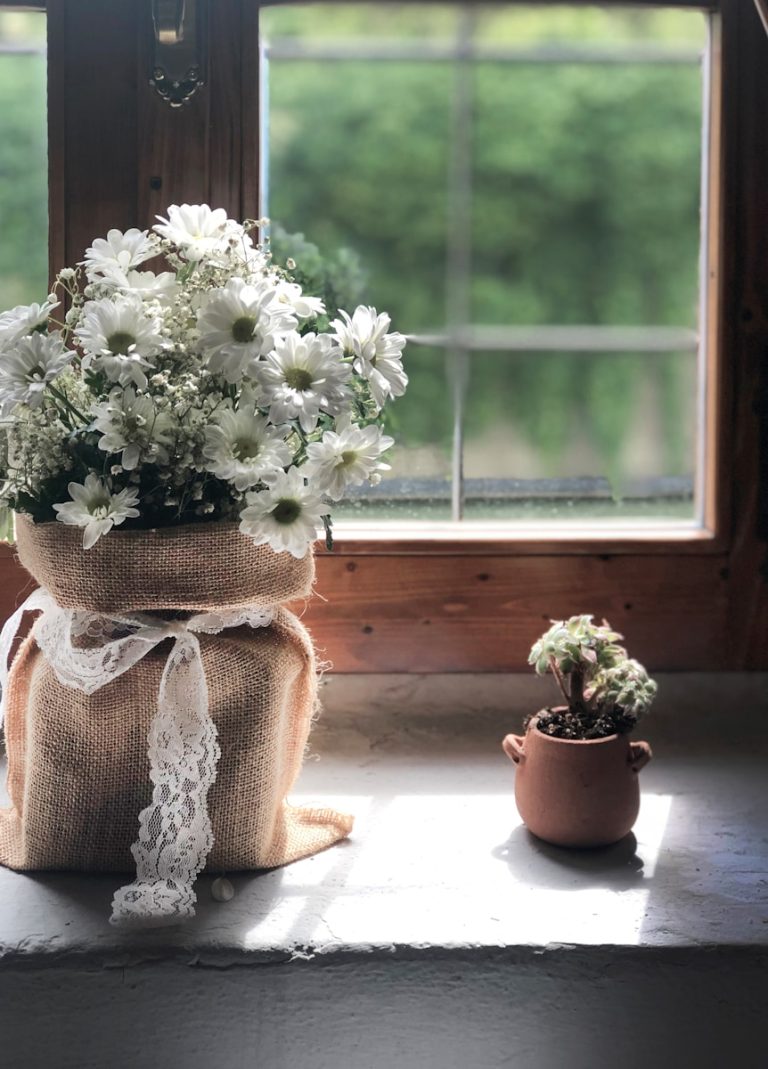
column 639, row 755
column 513, row 748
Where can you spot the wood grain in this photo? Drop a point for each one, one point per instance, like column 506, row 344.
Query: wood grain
column 96, row 65
column 395, row 614
column 172, row 150
column 482, row 614
column 57, row 141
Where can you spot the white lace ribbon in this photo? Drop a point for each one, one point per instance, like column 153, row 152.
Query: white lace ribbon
column 175, row 834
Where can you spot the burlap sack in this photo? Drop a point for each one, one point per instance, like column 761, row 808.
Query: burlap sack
column 78, row 770
column 193, row 568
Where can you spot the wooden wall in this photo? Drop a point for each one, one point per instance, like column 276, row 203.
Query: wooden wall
column 119, row 155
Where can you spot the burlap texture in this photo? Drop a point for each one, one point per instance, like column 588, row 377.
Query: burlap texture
column 78, row 770
column 195, row 567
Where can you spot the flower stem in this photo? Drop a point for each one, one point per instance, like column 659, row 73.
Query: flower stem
column 559, row 677
column 66, row 401
column 301, row 453
column 577, row 691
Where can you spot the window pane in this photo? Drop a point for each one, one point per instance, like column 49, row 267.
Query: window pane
column 525, row 174
column 586, row 192
column 531, row 454
column 347, row 179
column 23, row 159
column 419, row 485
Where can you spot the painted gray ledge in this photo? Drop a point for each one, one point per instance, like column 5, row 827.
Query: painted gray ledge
column 439, row 861
column 441, row 936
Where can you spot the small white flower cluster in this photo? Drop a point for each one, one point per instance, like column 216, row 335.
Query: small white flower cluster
column 206, row 390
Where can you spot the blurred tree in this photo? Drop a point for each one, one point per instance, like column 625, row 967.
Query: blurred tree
column 585, row 210
column 585, row 202
column 23, row 172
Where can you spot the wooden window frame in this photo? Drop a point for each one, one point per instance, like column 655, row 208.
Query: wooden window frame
column 695, row 600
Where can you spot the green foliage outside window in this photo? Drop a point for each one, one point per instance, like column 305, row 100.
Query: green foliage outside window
column 586, row 203
column 23, row 167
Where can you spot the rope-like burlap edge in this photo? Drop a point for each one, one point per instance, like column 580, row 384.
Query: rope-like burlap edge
column 191, row 567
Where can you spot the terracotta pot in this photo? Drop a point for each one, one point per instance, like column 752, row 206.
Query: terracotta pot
column 577, row 792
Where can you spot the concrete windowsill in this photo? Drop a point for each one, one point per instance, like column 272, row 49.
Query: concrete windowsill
column 439, row 858
column 439, row 875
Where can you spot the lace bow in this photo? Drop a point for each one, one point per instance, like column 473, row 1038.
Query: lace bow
column 175, row 835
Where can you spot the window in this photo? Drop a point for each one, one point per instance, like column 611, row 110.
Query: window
column 522, row 185
column 686, row 599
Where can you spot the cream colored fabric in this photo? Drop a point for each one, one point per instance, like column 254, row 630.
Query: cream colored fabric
column 78, row 763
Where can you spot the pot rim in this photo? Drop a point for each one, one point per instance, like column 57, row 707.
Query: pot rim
column 576, row 742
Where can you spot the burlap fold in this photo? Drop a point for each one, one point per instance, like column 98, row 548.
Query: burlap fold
column 195, row 567
column 78, row 770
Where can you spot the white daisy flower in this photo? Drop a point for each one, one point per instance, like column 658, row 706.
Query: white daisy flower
column 117, row 336
column 198, row 231
column 378, row 355
column 240, row 323
column 26, row 370
column 286, row 516
column 346, row 457
column 119, row 251
column 24, row 319
column 129, row 422
column 302, row 306
column 243, row 448
column 302, row 377
column 144, row 284
column 96, row 508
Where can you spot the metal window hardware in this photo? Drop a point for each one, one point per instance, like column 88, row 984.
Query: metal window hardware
column 178, row 61
column 762, row 10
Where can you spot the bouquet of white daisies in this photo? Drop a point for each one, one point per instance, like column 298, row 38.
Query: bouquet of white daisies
column 213, row 389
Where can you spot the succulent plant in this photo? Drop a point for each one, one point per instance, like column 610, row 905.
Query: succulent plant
column 606, row 691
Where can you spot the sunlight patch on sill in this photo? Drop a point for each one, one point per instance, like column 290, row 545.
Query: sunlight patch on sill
column 454, row 870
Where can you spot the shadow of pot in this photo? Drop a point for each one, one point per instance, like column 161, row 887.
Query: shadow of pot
column 536, row 863
column 577, row 792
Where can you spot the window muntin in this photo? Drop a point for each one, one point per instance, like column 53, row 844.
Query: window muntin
column 555, row 360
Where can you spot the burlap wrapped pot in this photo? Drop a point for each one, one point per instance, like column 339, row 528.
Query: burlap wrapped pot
column 78, row 769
